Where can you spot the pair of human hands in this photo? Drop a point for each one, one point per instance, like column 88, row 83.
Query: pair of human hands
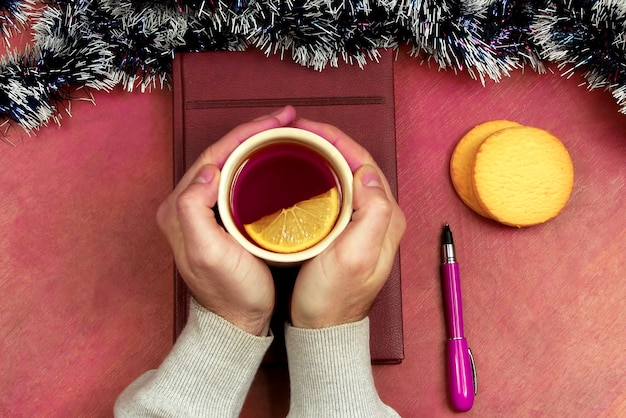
column 336, row 287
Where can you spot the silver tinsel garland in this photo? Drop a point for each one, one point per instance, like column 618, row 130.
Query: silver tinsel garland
column 84, row 45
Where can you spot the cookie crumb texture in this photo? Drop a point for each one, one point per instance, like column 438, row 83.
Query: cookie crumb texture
column 518, row 175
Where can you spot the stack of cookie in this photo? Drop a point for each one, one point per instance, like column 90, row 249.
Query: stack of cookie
column 516, row 175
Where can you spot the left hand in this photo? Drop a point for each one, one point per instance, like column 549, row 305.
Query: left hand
column 222, row 276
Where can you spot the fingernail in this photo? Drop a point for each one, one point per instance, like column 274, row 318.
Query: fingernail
column 370, row 177
column 277, row 112
column 274, row 113
column 205, row 175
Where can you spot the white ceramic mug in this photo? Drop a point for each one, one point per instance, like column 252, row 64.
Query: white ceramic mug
column 313, row 142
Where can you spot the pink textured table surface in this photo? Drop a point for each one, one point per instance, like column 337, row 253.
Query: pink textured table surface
column 86, row 278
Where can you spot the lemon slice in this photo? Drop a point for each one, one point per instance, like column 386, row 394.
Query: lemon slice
column 298, row 227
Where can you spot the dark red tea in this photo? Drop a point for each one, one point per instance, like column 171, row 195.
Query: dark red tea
column 278, row 176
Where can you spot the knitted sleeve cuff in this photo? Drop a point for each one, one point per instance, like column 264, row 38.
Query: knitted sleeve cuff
column 207, row 373
column 331, row 373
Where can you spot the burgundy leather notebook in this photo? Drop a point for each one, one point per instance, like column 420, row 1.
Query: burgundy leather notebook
column 215, row 91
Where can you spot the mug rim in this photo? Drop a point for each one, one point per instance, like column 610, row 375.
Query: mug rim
column 285, row 135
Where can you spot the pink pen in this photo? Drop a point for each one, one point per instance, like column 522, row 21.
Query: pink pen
column 461, row 371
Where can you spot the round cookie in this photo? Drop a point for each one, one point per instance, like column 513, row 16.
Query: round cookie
column 462, row 160
column 522, row 176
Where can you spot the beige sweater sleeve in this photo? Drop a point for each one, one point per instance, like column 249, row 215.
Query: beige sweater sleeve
column 331, row 373
column 208, row 372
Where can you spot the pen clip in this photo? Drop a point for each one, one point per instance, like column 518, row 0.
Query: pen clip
column 471, row 357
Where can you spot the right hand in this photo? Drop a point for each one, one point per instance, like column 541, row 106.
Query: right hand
column 340, row 285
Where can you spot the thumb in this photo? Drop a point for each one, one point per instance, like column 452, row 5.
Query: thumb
column 203, row 187
column 195, row 210
column 365, row 235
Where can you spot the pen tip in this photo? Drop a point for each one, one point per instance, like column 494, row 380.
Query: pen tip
column 446, row 236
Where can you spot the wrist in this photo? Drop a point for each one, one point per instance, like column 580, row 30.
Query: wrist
column 251, row 324
column 255, row 323
column 327, row 320
column 324, row 322
column 260, row 329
